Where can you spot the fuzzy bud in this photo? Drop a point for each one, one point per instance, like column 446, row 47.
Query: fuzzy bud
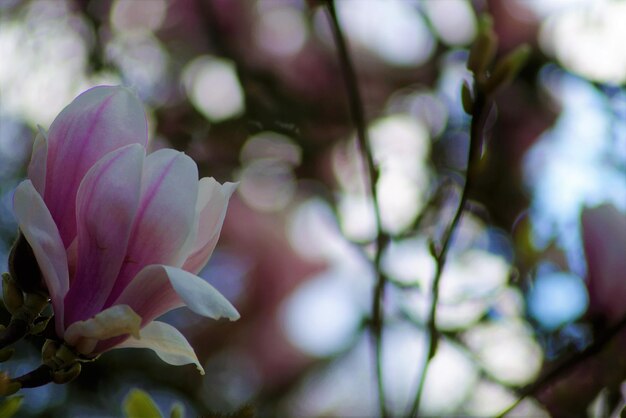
column 483, row 49
column 507, row 68
column 66, row 375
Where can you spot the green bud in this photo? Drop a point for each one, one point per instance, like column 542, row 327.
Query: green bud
column 432, row 248
column 65, row 355
column 178, row 411
column 66, row 375
column 48, row 352
column 6, row 354
column 483, row 49
column 9, row 388
column 39, row 326
column 466, row 98
column 507, row 68
column 11, row 294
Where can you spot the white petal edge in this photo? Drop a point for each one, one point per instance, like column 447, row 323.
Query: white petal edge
column 149, row 294
column 38, row 161
column 211, row 207
column 167, row 342
column 112, row 322
column 36, row 223
column 199, row 296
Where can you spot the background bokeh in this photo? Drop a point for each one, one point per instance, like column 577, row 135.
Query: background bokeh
column 252, row 91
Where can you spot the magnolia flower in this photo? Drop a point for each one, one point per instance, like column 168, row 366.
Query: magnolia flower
column 604, row 239
column 119, row 235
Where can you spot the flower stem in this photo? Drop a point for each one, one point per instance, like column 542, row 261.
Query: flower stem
column 15, row 331
column 566, row 365
column 476, row 140
column 38, row 377
column 356, row 110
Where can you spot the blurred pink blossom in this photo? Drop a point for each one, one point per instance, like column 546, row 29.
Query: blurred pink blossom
column 119, row 235
column 604, row 240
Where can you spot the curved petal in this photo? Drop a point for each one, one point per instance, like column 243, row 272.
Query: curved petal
column 97, row 122
column 158, row 289
column 165, row 215
column 167, row 342
column 39, row 229
column 211, row 211
column 37, row 165
column 116, row 321
column 106, row 205
column 604, row 239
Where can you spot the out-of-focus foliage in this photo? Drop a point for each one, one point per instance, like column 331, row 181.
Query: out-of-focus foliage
column 10, row 406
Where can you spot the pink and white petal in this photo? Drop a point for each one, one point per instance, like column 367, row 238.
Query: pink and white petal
column 37, row 165
column 97, row 122
column 165, row 216
column 116, row 321
column 40, row 231
column 211, row 211
column 167, row 342
column 106, row 204
column 158, row 289
column 604, row 239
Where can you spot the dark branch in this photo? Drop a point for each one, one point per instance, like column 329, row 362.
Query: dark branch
column 15, row 331
column 568, row 364
column 358, row 116
column 476, row 140
column 38, row 377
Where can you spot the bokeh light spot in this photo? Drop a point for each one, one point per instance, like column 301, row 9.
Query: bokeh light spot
column 557, row 298
column 213, row 88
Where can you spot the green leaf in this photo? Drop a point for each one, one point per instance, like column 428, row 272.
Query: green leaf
column 138, row 404
column 10, row 406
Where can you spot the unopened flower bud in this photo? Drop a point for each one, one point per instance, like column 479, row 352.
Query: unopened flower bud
column 178, row 411
column 483, row 49
column 466, row 98
column 11, row 294
column 39, row 325
column 66, row 375
column 507, row 68
column 7, row 387
column 48, row 352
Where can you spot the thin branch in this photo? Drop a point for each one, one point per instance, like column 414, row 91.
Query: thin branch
column 476, row 140
column 566, row 365
column 15, row 331
column 356, row 110
column 39, row 377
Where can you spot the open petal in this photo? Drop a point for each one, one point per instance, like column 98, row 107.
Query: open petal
column 211, row 211
column 167, row 342
column 97, row 122
column 116, row 321
column 158, row 289
column 165, row 216
column 40, row 231
column 37, row 165
column 106, row 205
column 604, row 239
